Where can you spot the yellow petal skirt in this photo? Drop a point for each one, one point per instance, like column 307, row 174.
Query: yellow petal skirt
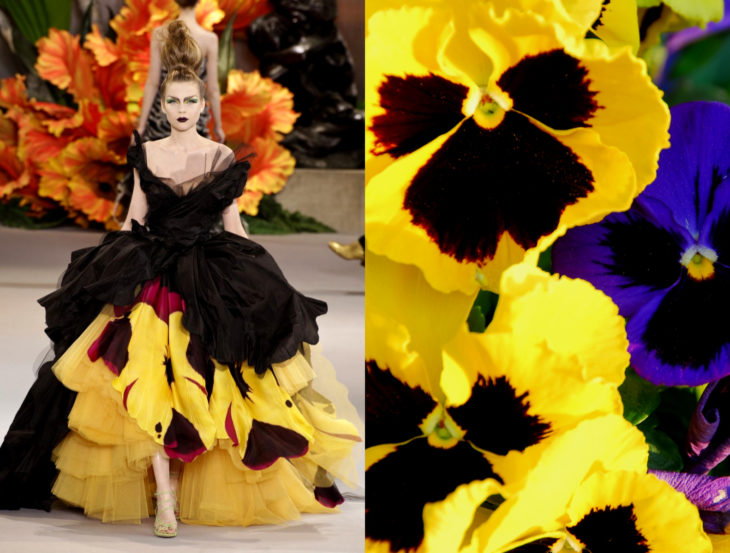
column 255, row 449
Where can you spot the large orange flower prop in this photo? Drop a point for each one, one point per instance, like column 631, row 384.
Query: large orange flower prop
column 73, row 157
column 256, row 113
column 245, row 10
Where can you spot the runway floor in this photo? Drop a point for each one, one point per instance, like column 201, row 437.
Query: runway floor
column 30, row 265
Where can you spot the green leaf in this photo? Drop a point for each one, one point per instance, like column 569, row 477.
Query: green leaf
column 482, row 311
column 545, row 261
column 640, row 397
column 663, row 451
column 226, row 56
column 12, row 214
column 274, row 219
column 34, row 17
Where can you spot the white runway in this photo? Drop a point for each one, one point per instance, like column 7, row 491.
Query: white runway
column 30, row 265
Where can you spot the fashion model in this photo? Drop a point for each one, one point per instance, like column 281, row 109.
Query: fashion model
column 152, row 121
column 181, row 364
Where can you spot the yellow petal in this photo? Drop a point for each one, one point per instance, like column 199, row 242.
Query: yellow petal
column 596, row 445
column 666, row 519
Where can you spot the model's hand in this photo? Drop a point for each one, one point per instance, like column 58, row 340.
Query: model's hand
column 218, row 134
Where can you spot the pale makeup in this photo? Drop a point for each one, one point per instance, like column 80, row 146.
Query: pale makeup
column 182, row 104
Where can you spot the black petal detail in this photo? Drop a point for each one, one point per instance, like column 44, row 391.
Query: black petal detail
column 243, row 387
column 201, row 362
column 113, row 345
column 482, row 183
column 394, row 410
column 268, row 442
column 168, row 371
column 182, row 440
column 610, row 530
column 497, row 400
column 643, row 253
column 599, row 20
column 328, row 496
column 552, row 87
column 681, row 331
column 400, row 485
column 418, row 109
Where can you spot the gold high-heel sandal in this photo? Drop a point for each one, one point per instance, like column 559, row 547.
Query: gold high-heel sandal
column 165, row 529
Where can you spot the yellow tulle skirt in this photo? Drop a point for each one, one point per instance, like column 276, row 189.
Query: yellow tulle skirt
column 254, row 449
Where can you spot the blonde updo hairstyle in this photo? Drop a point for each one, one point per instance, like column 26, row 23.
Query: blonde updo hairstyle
column 181, row 56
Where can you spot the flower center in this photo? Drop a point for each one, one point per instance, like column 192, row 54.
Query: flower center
column 441, row 429
column 491, row 109
column 700, row 262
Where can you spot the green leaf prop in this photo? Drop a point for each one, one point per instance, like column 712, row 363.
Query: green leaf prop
column 34, row 17
column 274, row 219
column 226, row 57
column 12, row 214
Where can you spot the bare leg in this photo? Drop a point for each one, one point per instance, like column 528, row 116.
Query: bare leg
column 165, row 523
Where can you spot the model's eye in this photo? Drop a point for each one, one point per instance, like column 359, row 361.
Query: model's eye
column 191, row 101
column 171, row 101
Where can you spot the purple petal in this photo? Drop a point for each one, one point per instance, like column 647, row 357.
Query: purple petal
column 715, row 523
column 708, row 439
column 708, row 493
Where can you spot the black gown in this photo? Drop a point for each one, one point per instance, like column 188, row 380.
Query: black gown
column 190, row 341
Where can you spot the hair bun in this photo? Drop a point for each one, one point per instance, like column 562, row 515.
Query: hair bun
column 179, row 48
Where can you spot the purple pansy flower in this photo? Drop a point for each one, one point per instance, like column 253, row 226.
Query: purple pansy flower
column 666, row 261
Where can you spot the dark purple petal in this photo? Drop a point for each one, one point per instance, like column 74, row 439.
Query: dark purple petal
column 625, row 256
column 715, row 523
column 675, row 340
column 686, row 181
column 708, row 439
column 708, row 493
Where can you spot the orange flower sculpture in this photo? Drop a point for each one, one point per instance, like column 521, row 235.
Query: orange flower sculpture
column 54, row 155
column 245, row 10
column 256, row 113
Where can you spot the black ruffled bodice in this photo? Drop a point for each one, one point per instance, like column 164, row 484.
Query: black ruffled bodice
column 237, row 299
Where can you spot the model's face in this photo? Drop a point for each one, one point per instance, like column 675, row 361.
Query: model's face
column 183, row 104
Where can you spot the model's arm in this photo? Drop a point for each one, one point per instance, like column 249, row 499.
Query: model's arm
column 232, row 220
column 214, row 92
column 153, row 82
column 137, row 206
